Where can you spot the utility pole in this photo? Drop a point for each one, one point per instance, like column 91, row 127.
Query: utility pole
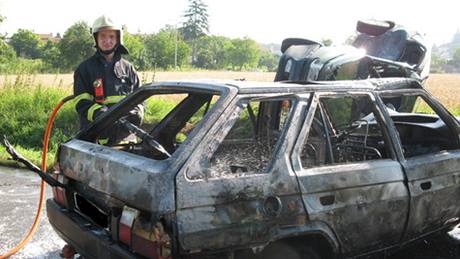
column 175, row 49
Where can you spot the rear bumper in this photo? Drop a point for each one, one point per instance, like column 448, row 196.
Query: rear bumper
column 89, row 241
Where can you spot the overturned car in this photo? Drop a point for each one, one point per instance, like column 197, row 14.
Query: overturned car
column 380, row 49
column 337, row 169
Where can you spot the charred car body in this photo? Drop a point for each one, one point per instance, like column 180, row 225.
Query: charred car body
column 380, row 49
column 337, row 170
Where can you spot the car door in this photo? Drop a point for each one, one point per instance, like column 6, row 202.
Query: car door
column 348, row 174
column 236, row 190
column 428, row 139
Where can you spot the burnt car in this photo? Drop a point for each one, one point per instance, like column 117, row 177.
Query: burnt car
column 380, row 49
column 336, row 171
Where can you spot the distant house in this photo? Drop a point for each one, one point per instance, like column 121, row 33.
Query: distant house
column 49, row 36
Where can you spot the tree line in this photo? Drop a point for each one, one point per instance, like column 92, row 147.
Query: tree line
column 189, row 46
column 440, row 64
column 166, row 49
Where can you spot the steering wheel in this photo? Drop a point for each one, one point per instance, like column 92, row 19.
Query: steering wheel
column 351, row 126
column 147, row 138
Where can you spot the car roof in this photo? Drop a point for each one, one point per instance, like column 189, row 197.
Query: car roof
column 252, row 87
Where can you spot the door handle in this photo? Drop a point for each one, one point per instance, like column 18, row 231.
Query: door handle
column 426, row 185
column 327, row 200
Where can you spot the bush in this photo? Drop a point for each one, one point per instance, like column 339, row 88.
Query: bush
column 25, row 112
column 23, row 66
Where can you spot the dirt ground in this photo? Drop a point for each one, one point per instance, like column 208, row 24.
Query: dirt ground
column 19, row 198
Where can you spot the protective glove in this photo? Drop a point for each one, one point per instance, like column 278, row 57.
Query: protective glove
column 100, row 111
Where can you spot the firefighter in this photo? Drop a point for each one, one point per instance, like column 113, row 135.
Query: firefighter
column 105, row 78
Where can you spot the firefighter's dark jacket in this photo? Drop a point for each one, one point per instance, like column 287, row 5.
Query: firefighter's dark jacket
column 118, row 80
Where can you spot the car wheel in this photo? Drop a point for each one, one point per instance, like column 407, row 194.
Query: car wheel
column 280, row 250
column 374, row 27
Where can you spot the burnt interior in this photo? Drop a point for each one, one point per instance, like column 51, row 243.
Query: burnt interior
column 90, row 211
column 344, row 130
column 420, row 128
column 251, row 142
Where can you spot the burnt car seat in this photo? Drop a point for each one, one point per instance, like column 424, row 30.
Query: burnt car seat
column 389, row 45
column 385, row 39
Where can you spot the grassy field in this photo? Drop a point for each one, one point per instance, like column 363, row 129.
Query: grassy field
column 65, row 80
column 445, row 87
column 27, row 100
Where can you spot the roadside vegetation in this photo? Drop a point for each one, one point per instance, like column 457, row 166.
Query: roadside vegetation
column 27, row 100
column 25, row 110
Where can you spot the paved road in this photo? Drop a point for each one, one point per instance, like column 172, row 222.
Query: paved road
column 19, row 192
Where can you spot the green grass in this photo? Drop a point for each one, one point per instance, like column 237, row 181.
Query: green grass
column 157, row 108
column 24, row 115
column 25, row 111
column 33, row 155
column 455, row 111
column 23, row 66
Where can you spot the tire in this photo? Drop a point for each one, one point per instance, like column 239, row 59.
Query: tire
column 281, row 250
column 374, row 27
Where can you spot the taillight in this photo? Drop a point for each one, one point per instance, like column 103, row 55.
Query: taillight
column 142, row 236
column 126, row 222
column 59, row 192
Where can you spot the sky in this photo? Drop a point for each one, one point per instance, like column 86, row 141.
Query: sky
column 264, row 21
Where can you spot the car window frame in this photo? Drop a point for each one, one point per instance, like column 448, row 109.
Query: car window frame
column 308, row 119
column 228, row 123
column 445, row 115
column 142, row 94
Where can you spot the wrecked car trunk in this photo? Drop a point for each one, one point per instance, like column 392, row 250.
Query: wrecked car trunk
column 131, row 179
column 114, row 173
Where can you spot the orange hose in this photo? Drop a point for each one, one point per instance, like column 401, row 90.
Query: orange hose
column 46, row 138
